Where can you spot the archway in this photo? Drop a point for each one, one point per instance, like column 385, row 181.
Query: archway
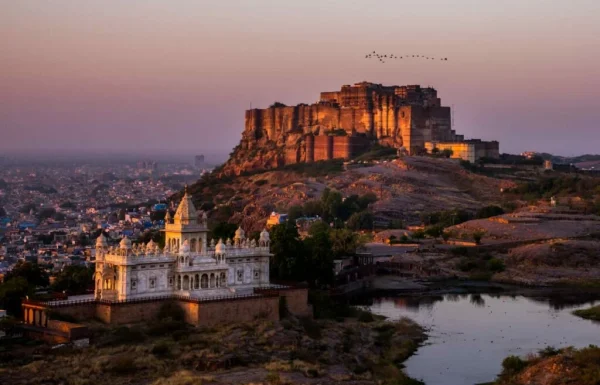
column 186, row 282
column 212, row 280
column 196, row 281
column 204, row 281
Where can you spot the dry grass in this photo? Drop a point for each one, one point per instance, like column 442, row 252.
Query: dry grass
column 272, row 353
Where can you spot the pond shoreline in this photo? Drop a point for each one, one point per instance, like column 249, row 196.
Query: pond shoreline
column 477, row 320
column 392, row 285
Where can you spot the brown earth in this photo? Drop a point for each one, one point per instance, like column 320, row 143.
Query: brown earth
column 405, row 188
column 292, row 351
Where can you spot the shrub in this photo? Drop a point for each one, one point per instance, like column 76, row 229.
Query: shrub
column 477, row 237
column 461, row 250
column 496, row 265
column 273, row 378
column 512, row 365
column 549, row 352
column 121, row 364
column 466, row 265
column 165, row 327
column 161, row 350
column 489, row 211
column 311, row 328
column 127, row 335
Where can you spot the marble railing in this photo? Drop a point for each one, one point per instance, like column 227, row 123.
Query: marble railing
column 126, row 257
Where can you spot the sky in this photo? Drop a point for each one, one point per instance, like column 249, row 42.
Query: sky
column 169, row 76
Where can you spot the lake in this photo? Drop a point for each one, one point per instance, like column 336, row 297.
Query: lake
column 470, row 334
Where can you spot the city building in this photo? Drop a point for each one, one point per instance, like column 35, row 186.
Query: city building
column 470, row 150
column 276, row 219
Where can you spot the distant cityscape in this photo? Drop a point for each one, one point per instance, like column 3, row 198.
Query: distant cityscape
column 51, row 212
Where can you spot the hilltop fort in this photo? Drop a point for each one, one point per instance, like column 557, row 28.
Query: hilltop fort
column 345, row 123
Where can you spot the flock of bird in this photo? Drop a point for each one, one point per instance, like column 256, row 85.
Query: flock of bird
column 384, row 57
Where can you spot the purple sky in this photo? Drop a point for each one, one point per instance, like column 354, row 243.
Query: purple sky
column 177, row 75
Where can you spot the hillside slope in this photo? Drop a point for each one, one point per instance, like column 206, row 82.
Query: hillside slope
column 405, row 188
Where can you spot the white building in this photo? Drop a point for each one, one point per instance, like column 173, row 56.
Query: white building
column 187, row 266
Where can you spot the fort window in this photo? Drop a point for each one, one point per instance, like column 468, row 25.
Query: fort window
column 256, row 274
column 186, row 282
column 134, row 284
column 161, row 265
column 152, row 282
column 197, row 281
column 179, row 282
column 212, row 280
column 170, row 281
column 204, row 281
column 240, row 275
column 223, row 279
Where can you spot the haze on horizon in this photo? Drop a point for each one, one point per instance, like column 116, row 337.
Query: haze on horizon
column 177, row 75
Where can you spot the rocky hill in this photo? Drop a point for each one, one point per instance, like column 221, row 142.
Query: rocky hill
column 568, row 366
column 405, row 188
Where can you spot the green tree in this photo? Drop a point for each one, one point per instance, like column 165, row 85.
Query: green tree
column 45, row 213
column 434, row 231
column 223, row 230
column 287, row 262
column 12, row 292
column 360, row 221
column 320, row 257
column 295, row 212
column 158, row 215
column 74, row 279
column 331, row 202
column 155, row 235
column 33, row 274
column 344, row 242
column 313, row 208
column 477, row 237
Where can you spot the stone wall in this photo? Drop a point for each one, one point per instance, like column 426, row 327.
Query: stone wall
column 81, row 311
column 216, row 313
column 198, row 313
column 297, row 301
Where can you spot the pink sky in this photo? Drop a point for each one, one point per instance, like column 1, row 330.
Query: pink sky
column 177, row 75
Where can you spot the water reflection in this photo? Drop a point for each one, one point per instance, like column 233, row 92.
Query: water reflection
column 470, row 334
column 477, row 300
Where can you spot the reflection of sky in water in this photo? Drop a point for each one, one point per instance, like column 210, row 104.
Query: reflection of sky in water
column 471, row 334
